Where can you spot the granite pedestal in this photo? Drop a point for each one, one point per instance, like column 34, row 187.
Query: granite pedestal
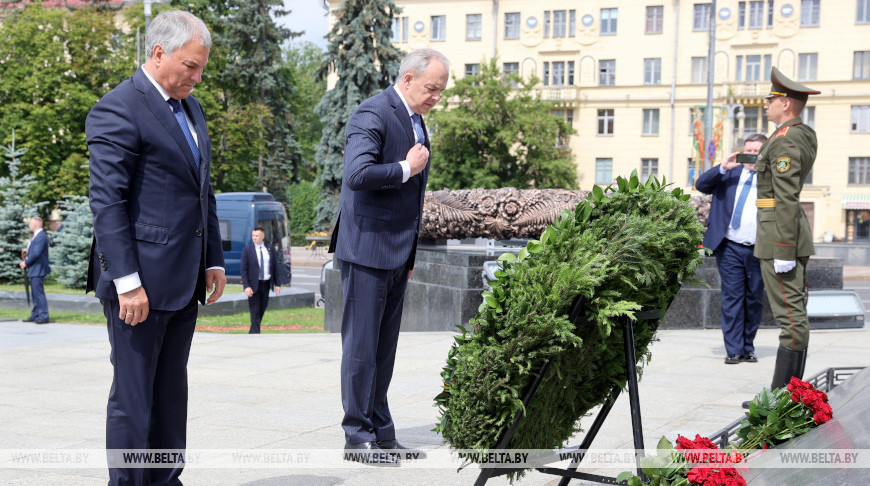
column 699, row 306
column 443, row 293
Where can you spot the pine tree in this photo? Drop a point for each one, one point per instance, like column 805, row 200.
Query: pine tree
column 71, row 244
column 256, row 68
column 14, row 208
column 364, row 60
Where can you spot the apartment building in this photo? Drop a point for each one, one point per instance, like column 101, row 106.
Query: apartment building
column 628, row 75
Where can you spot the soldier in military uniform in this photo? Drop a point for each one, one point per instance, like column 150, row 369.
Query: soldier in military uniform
column 784, row 241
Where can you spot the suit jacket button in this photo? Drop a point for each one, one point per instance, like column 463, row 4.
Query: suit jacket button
column 198, row 233
column 104, row 266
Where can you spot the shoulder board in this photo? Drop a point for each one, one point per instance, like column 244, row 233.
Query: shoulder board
column 782, row 132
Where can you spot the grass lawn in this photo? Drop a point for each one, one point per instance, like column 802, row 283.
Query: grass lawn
column 303, row 320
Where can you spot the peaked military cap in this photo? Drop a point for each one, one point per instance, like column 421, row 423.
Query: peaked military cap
column 782, row 86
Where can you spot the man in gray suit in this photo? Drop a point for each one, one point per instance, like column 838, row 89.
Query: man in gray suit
column 386, row 166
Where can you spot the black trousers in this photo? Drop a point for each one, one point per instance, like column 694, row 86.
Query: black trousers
column 257, row 305
column 147, row 407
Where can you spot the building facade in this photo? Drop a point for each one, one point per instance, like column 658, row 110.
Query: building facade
column 631, row 78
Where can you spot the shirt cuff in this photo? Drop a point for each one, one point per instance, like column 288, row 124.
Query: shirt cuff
column 722, row 169
column 406, row 170
column 217, row 268
column 127, row 283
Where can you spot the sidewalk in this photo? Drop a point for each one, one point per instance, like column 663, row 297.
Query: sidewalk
column 282, row 391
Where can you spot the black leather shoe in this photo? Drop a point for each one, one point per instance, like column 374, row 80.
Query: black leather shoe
column 369, row 453
column 29, row 319
column 396, row 449
column 746, row 404
column 749, row 357
column 41, row 321
column 732, row 359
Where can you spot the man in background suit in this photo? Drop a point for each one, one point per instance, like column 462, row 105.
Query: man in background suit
column 37, row 267
column 731, row 235
column 386, row 166
column 157, row 246
column 259, row 269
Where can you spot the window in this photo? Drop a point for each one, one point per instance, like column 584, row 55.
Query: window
column 648, row 168
column 605, row 122
column 226, row 241
column 861, row 69
column 769, row 14
column 810, row 12
column 472, row 69
column 754, row 69
column 510, row 69
column 702, row 16
column 650, row 122
column 699, row 70
column 654, row 19
column 859, row 170
column 756, row 15
column 558, row 70
column 473, row 27
column 652, row 70
column 572, row 22
column 608, row 21
column 558, row 73
column 512, row 25
column 439, row 26
column 741, row 15
column 808, row 116
column 808, row 65
column 861, row 119
column 400, row 29
column 546, row 24
column 751, row 123
column 607, row 72
column 603, row 171
column 559, row 23
column 863, row 16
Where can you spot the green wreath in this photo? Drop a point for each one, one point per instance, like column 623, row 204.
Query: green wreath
column 624, row 249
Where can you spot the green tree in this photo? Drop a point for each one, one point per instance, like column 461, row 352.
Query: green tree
column 55, row 64
column 364, row 61
column 246, row 93
column 302, row 61
column 303, row 197
column 71, row 246
column 15, row 207
column 498, row 136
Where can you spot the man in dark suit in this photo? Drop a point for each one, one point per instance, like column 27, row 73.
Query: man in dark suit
column 731, row 235
column 37, row 267
column 386, row 166
column 157, row 246
column 259, row 274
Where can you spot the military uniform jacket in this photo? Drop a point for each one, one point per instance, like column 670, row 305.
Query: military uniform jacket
column 783, row 165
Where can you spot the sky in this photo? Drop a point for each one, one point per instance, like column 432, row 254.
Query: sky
column 308, row 16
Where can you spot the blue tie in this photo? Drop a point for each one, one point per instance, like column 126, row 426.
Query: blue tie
column 418, row 128
column 741, row 201
column 262, row 266
column 179, row 116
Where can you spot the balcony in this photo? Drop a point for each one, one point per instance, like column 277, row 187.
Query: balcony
column 568, row 94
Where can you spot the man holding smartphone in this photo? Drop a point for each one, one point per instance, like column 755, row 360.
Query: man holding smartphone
column 731, row 231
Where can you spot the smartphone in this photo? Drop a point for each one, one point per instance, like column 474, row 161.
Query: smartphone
column 747, row 158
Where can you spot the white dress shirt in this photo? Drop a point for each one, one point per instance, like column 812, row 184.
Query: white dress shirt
column 745, row 234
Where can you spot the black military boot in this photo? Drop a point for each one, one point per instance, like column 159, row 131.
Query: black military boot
column 789, row 362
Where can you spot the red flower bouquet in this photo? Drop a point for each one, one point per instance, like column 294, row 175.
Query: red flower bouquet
column 782, row 414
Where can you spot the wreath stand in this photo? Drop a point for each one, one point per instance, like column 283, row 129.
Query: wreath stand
column 577, row 318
